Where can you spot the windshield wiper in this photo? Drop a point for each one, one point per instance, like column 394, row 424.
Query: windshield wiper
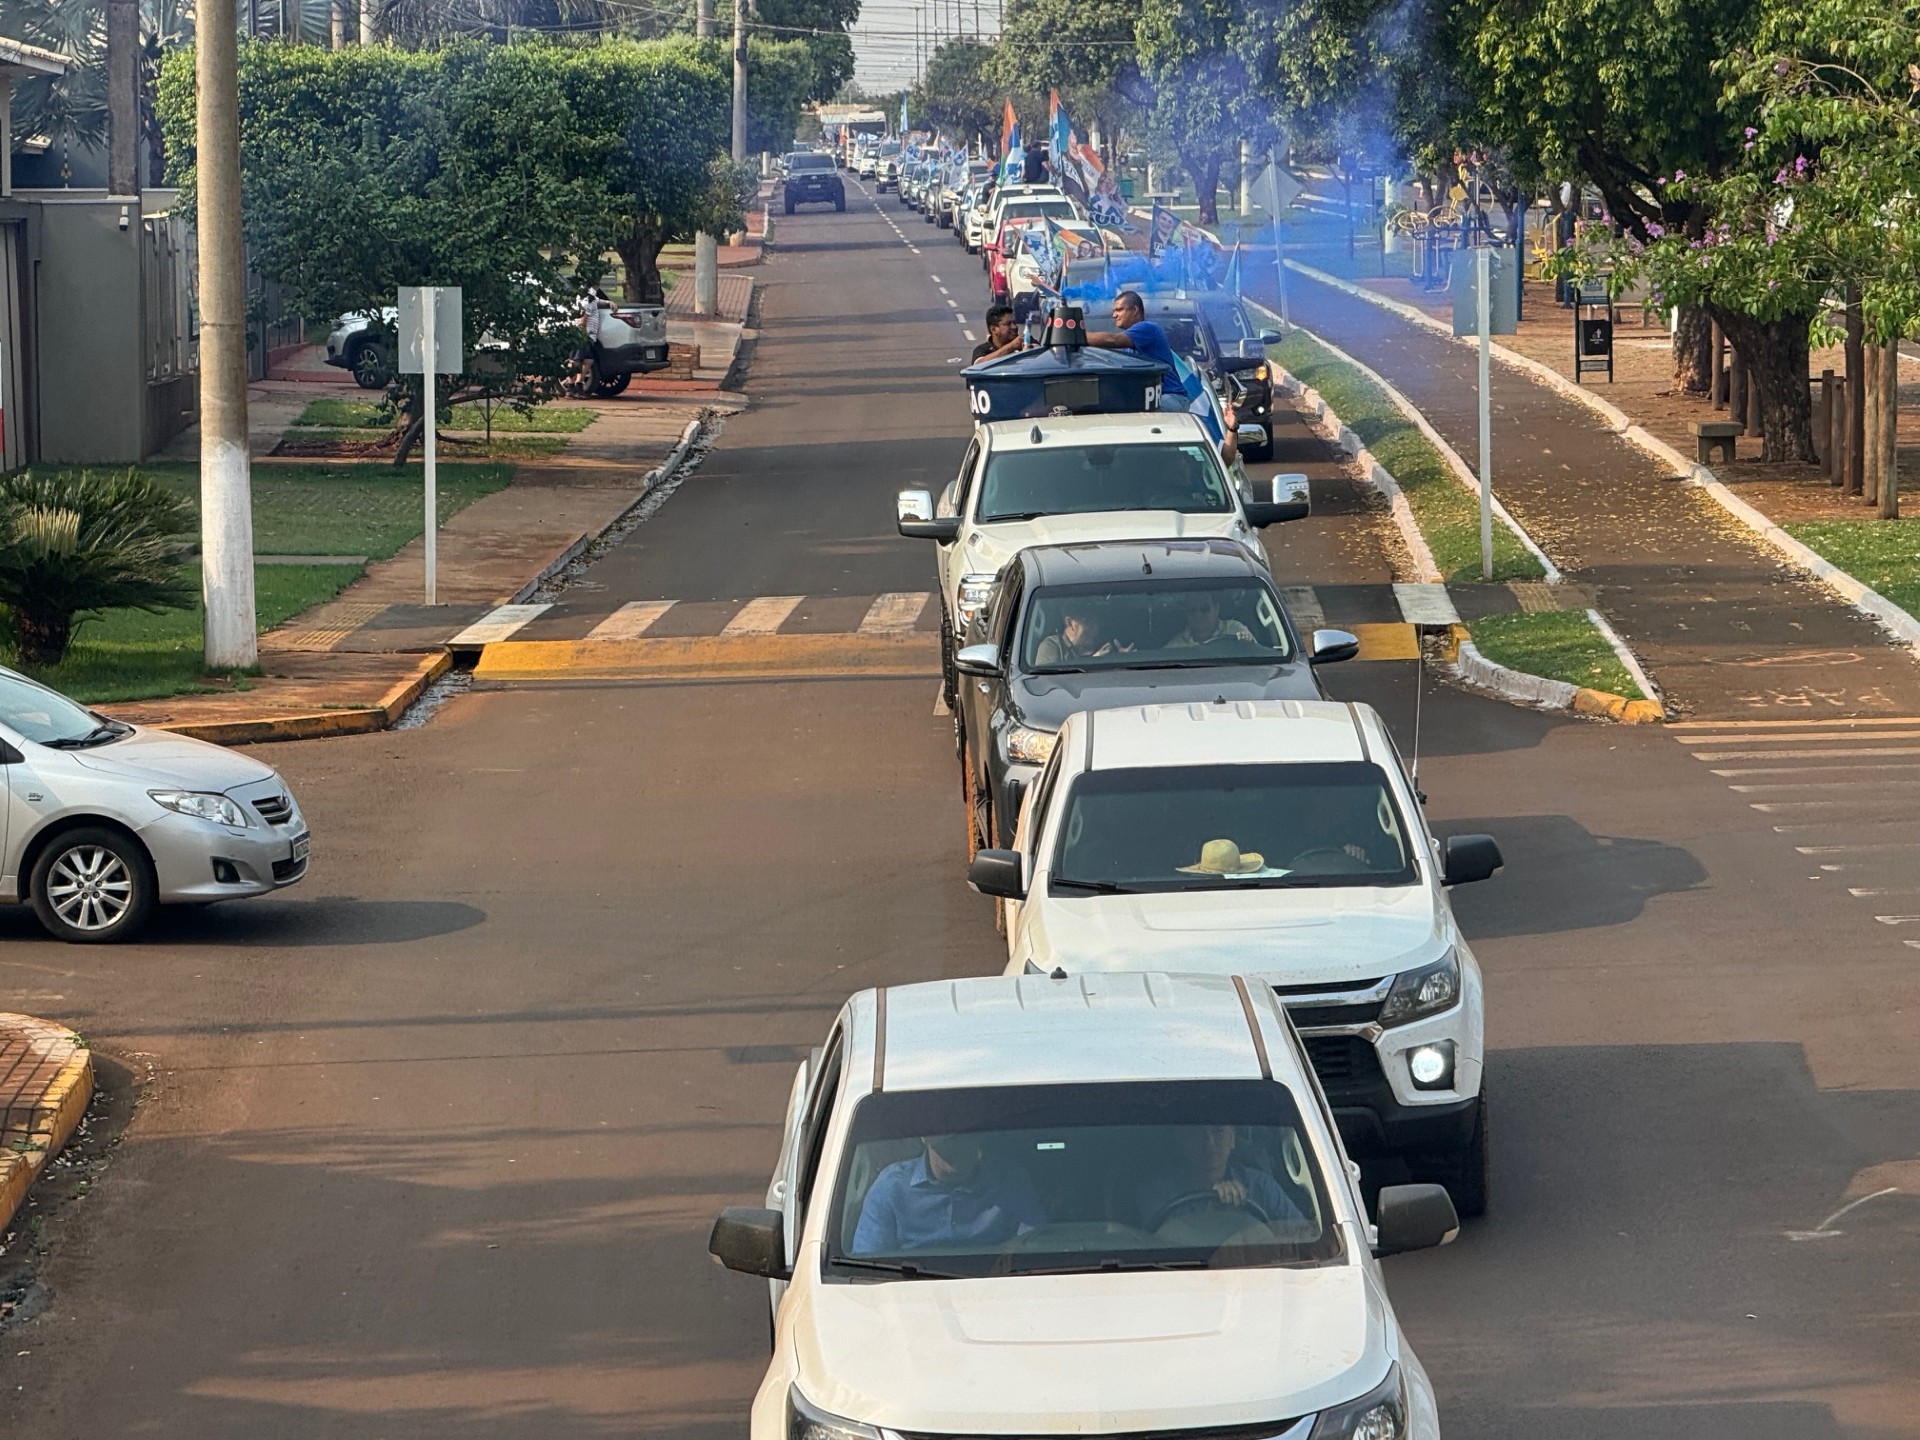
column 1097, row 887
column 905, row 1269
column 1017, row 515
column 98, row 735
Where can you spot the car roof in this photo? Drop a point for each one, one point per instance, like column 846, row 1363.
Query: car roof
column 1148, row 427
column 1091, row 562
column 1089, row 1028
column 1246, row 732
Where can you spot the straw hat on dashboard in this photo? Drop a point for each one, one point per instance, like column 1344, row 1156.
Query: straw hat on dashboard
column 1223, row 857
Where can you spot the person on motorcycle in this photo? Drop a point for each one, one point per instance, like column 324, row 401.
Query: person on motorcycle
column 593, row 310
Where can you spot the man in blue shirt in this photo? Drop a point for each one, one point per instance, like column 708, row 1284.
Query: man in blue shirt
column 1147, row 340
column 1206, row 1167
column 950, row 1196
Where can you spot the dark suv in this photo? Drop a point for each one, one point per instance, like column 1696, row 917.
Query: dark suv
column 812, row 180
column 1107, row 625
column 1214, row 331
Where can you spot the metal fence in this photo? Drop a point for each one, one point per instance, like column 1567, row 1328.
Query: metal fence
column 170, row 326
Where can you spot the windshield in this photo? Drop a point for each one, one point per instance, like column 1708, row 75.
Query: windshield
column 1229, row 324
column 46, row 718
column 1021, row 1180
column 1087, row 479
column 1037, row 210
column 1180, row 333
column 1144, row 624
column 807, row 160
column 1214, row 827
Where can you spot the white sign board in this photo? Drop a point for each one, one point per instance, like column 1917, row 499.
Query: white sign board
column 1276, row 190
column 444, row 330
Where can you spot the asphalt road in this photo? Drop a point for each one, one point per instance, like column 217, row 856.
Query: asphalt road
column 432, row 1142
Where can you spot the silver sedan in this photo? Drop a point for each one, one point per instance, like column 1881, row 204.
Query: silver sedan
column 104, row 821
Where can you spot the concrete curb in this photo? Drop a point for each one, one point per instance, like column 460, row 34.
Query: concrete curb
column 1897, row 622
column 322, row 724
column 1539, row 693
column 36, row 1125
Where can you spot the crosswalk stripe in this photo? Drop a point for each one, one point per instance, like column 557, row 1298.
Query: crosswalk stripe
column 498, row 624
column 1797, row 754
column 1426, row 604
column 631, row 620
column 762, row 615
column 1303, row 603
column 1787, row 736
column 894, row 612
column 1680, row 726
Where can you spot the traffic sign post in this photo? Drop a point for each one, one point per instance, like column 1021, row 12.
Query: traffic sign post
column 429, row 347
column 1484, row 291
column 1275, row 192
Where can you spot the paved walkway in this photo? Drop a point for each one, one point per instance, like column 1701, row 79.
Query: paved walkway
column 1726, row 629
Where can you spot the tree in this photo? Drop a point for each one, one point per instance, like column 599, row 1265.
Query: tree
column 71, row 543
column 1203, row 102
column 782, row 76
column 955, row 95
column 822, row 26
column 1086, row 49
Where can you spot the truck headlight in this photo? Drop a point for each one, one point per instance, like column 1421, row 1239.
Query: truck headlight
column 1028, row 746
column 1380, row 1414
column 804, row 1422
column 974, row 593
column 217, row 808
column 1426, row 991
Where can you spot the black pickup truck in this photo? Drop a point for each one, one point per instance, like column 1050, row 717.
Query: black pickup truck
column 813, row 180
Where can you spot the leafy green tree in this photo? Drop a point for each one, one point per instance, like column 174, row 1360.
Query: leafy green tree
column 1202, row 99
column 955, row 95
column 73, row 542
column 823, row 26
column 782, row 76
column 1086, row 49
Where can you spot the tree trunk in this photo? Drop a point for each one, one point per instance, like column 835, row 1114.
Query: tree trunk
column 1856, row 389
column 1206, row 183
column 1693, row 351
column 1776, row 354
column 1872, row 393
column 639, row 254
column 1890, row 432
column 40, row 637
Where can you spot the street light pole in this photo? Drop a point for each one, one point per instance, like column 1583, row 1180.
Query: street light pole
column 226, row 499
column 739, row 80
column 706, row 257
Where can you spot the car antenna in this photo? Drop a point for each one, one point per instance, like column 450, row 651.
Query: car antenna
column 1146, row 566
column 1058, row 972
column 1036, row 434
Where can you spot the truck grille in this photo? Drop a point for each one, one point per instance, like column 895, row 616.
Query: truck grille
column 1310, row 1017
column 274, row 809
column 1342, row 1061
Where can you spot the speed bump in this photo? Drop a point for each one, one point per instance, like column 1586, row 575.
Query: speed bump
column 714, row 657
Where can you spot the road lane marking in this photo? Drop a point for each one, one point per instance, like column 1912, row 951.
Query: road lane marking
column 714, row 657
column 954, row 303
column 1880, row 849
column 894, row 613
column 1797, row 754
column 1898, row 919
column 1904, row 731
column 967, row 333
column 1801, row 724
column 631, row 620
column 762, row 615
column 1808, row 769
column 1303, row 604
column 1819, row 785
column 498, row 624
column 1426, row 605
column 1869, row 892
column 942, row 289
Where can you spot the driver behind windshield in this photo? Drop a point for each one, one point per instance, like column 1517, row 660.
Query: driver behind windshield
column 1079, row 638
column 1204, row 625
column 1204, row 1172
column 951, row 1195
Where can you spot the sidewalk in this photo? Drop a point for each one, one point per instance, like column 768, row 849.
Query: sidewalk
column 355, row 663
column 46, row 1079
column 1725, row 628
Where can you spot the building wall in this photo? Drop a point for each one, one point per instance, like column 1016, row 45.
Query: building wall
column 86, row 280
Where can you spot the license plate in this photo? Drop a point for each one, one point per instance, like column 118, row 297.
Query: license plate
column 299, row 847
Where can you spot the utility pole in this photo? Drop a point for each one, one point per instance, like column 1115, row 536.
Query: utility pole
column 226, row 500
column 706, row 257
column 123, row 144
column 366, row 21
column 739, row 80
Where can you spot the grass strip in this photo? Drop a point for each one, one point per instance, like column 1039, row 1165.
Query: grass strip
column 337, row 414
column 131, row 655
column 323, row 509
column 467, row 447
column 1556, row 644
column 1882, row 553
column 1447, row 513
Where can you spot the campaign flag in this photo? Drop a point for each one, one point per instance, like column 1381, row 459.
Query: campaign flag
column 1071, row 243
column 1165, row 232
column 1009, row 129
column 1060, row 135
column 1034, row 240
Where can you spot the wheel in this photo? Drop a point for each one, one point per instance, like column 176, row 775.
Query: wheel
column 789, row 205
column 93, row 886
column 949, row 677
column 840, row 203
column 605, row 386
column 1464, row 1172
column 372, row 370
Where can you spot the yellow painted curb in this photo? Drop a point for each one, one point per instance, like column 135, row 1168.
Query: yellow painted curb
column 1604, row 704
column 323, row 724
column 36, row 1128
column 1392, row 640
column 713, row 657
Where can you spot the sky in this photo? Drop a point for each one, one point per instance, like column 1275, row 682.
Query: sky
column 884, row 36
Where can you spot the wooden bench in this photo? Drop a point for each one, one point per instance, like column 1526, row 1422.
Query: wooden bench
column 1711, row 435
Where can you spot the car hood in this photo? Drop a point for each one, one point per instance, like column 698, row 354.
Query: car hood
column 1045, row 701
column 992, row 544
column 1091, row 1354
column 1286, row 937
column 161, row 758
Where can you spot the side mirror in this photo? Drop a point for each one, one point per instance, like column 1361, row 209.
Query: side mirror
column 750, row 1240
column 914, row 512
column 1414, row 1217
column 1467, row 858
column 1291, row 486
column 913, row 505
column 1262, row 513
column 1269, row 337
column 1250, row 435
column 999, row 873
column 981, row 660
column 1330, row 647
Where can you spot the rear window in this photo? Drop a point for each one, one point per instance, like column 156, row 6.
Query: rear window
column 809, row 161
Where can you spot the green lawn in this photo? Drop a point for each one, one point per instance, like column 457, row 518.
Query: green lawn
column 1557, row 644
column 131, row 655
column 1447, row 513
column 321, row 509
column 371, row 415
column 1882, row 553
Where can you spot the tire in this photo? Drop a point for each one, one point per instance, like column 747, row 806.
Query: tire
column 372, row 369
column 93, row 886
column 840, row 203
column 607, row 386
column 949, row 677
column 1464, row 1173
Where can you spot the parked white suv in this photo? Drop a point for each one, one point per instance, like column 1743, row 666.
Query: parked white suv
column 1063, row 479
column 1278, row 838
column 1106, row 1204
